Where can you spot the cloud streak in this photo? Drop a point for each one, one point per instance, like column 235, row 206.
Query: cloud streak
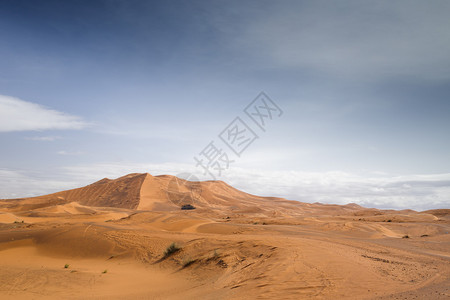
column 63, row 152
column 20, row 115
column 43, row 138
column 21, row 183
column 418, row 192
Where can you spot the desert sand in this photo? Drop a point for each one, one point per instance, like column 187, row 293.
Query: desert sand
column 108, row 241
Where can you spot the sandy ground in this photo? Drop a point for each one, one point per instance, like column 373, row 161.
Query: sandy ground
column 227, row 250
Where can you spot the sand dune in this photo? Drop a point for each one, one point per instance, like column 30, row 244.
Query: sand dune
column 9, row 218
column 169, row 193
column 107, row 241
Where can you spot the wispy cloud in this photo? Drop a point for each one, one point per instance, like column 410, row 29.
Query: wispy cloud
column 43, row 138
column 63, row 152
column 20, row 115
column 23, row 183
column 371, row 190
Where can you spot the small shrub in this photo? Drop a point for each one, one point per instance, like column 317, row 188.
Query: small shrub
column 66, row 266
column 389, row 220
column 105, row 271
column 171, row 249
column 405, row 237
column 214, row 256
column 188, row 261
column 222, row 264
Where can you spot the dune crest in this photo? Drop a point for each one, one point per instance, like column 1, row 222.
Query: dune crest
column 142, row 191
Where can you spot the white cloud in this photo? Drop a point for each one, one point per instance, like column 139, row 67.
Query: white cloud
column 19, row 184
column 20, row 115
column 418, row 192
column 43, row 138
column 62, row 152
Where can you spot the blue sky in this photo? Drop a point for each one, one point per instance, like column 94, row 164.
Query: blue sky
column 93, row 89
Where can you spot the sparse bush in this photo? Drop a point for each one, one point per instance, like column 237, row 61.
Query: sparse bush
column 188, row 261
column 105, row 271
column 214, row 256
column 405, row 237
column 66, row 266
column 222, row 264
column 171, row 249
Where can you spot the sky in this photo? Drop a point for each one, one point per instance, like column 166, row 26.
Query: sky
column 355, row 104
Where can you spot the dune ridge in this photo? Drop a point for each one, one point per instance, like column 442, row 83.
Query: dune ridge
column 142, row 191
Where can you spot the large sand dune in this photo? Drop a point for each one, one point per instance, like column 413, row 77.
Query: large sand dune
column 107, row 241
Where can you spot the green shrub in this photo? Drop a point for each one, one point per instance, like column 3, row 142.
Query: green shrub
column 188, row 261
column 171, row 249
